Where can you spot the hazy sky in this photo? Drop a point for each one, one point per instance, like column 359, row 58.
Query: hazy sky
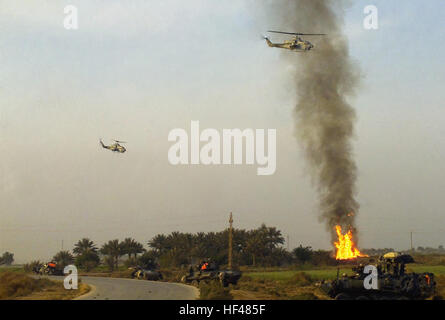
column 134, row 70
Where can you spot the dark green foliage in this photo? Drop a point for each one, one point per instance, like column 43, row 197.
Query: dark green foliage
column 7, row 258
column 84, row 246
column 303, row 254
column 110, row 262
column 29, row 267
column 87, row 260
column 63, row 258
column 148, row 260
column 87, row 257
column 261, row 247
column 323, row 258
column 113, row 249
column 255, row 247
column 132, row 247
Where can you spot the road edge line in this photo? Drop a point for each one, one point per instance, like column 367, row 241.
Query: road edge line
column 89, row 293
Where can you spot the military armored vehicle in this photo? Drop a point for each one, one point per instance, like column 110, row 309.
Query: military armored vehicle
column 211, row 273
column 144, row 274
column 49, row 268
column 393, row 283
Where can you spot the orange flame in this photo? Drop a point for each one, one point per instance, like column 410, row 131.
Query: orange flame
column 346, row 248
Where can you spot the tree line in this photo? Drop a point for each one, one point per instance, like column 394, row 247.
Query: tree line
column 258, row 247
column 87, row 255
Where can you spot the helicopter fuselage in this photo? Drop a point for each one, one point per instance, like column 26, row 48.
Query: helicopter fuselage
column 296, row 44
column 115, row 147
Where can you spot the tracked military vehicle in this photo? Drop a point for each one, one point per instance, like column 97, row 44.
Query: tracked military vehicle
column 211, row 273
column 144, row 274
column 49, row 268
column 393, row 283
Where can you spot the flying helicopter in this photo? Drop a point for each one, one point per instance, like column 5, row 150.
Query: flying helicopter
column 115, row 147
column 297, row 44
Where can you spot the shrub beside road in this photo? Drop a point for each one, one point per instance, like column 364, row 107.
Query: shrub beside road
column 19, row 286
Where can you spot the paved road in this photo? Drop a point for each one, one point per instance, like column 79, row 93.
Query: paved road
column 131, row 289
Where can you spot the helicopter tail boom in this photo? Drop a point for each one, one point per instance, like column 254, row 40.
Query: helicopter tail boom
column 102, row 144
column 269, row 43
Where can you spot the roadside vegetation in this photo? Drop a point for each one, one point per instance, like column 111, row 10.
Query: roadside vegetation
column 213, row 290
column 19, row 286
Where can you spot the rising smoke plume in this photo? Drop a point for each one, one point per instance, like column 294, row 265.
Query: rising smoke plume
column 325, row 120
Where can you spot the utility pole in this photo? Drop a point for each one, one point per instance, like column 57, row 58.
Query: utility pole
column 411, row 236
column 287, row 242
column 230, row 241
column 62, row 245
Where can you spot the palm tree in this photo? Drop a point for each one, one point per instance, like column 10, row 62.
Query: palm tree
column 254, row 245
column 132, row 247
column 137, row 248
column 86, row 254
column 113, row 249
column 63, row 258
column 159, row 243
column 84, row 246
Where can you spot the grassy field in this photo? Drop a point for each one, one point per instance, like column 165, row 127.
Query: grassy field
column 437, row 270
column 330, row 273
column 13, row 268
column 279, row 285
column 327, row 273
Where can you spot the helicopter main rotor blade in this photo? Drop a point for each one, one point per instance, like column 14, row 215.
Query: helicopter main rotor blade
column 299, row 34
column 119, row 141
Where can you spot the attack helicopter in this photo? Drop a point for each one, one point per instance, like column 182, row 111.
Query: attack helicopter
column 297, row 44
column 115, row 147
